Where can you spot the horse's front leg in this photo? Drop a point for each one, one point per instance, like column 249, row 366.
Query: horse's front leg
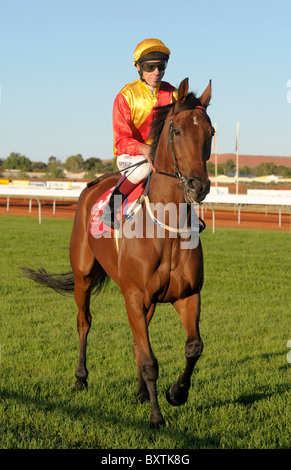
column 143, row 394
column 147, row 364
column 189, row 311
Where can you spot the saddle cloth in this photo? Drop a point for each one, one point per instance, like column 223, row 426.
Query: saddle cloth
column 97, row 228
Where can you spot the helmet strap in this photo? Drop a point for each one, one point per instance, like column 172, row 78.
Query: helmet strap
column 140, row 72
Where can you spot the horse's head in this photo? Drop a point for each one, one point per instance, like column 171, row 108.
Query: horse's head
column 188, row 132
column 192, row 133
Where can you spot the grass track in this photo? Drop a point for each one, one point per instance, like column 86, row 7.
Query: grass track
column 240, row 394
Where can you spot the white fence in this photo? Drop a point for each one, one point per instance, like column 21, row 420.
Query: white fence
column 269, row 192
column 38, row 193
column 246, row 199
column 279, row 199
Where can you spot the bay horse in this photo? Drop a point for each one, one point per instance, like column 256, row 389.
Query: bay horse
column 148, row 270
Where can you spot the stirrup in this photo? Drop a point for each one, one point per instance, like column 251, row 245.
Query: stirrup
column 107, row 217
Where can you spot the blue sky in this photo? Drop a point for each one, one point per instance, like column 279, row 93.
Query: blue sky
column 62, row 62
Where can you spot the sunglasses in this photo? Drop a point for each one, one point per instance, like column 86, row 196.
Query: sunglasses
column 151, row 66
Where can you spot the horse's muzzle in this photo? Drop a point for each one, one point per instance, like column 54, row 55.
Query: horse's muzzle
column 195, row 190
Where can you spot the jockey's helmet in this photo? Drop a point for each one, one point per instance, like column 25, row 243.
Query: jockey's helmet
column 150, row 49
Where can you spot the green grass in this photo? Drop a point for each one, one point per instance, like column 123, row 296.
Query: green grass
column 240, row 394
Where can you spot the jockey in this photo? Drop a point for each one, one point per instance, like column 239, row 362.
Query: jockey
column 133, row 111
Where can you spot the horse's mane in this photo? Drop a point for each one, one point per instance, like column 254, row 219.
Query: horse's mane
column 160, row 114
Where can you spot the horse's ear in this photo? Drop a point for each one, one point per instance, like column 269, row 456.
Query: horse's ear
column 206, row 96
column 183, row 90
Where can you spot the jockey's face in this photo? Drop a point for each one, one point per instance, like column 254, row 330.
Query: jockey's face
column 153, row 78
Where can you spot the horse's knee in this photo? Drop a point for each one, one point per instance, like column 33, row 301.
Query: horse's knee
column 150, row 369
column 193, row 348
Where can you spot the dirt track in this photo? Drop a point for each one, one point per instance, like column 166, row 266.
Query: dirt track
column 223, row 218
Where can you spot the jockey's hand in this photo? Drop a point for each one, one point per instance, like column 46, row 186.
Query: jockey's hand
column 144, row 149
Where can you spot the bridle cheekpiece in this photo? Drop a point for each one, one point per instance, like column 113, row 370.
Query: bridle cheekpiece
column 177, row 173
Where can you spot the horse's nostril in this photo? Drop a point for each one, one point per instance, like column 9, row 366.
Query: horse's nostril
column 195, row 184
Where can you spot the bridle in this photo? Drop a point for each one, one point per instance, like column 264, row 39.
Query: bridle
column 177, row 173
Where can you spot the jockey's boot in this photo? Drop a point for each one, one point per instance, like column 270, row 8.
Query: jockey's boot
column 121, row 190
column 109, row 212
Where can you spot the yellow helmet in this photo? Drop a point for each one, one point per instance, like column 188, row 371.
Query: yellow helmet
column 148, row 46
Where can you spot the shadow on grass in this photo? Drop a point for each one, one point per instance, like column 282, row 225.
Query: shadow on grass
column 251, row 398
column 179, row 438
column 267, row 356
column 264, row 392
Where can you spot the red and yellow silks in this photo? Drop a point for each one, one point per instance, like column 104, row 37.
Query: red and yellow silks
column 133, row 114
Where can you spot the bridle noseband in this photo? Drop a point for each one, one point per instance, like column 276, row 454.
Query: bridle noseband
column 177, row 173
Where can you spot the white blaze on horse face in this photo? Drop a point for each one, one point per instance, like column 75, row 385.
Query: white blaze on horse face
column 195, row 121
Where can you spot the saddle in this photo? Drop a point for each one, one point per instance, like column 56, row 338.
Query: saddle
column 97, row 227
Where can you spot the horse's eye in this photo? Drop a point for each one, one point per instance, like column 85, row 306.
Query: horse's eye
column 177, row 131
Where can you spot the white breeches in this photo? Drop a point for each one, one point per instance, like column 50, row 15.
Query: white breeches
column 135, row 174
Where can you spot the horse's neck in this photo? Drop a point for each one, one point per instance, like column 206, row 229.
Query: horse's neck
column 167, row 202
column 164, row 189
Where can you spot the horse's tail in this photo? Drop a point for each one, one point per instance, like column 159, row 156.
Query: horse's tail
column 62, row 283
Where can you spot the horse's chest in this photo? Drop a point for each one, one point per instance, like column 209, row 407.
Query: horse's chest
column 173, row 280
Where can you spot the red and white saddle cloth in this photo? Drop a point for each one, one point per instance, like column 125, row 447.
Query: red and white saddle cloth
column 98, row 228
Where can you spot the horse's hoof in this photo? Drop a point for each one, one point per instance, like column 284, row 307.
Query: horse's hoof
column 176, row 401
column 157, row 422
column 79, row 385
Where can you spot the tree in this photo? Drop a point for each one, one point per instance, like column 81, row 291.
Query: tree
column 92, row 164
column 74, row 163
column 16, row 161
column 54, row 168
column 95, row 165
column 283, row 171
column 229, row 166
column 38, row 166
column 245, row 170
column 220, row 169
column 265, row 168
column 210, row 168
column 106, row 167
